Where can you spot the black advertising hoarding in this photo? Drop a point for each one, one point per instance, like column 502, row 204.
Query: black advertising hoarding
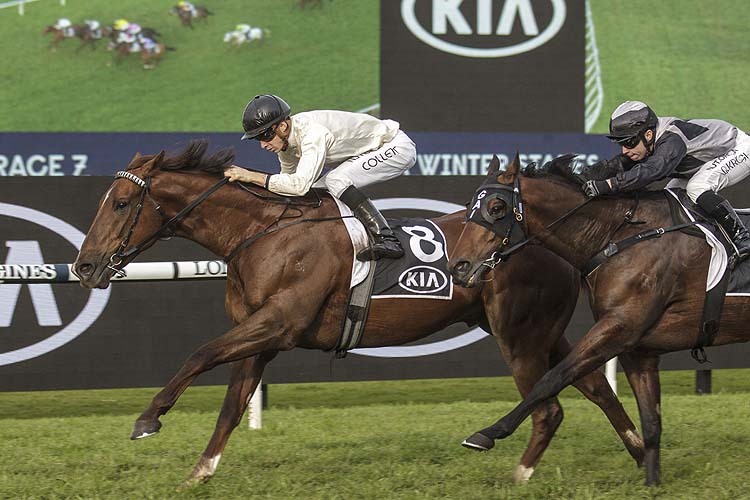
column 483, row 65
column 62, row 336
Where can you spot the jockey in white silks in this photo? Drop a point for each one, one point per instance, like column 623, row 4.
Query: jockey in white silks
column 94, row 27
column 65, row 26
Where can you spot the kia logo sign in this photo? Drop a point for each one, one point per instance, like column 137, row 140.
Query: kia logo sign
column 28, row 252
column 493, row 21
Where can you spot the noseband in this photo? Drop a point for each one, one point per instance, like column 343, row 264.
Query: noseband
column 165, row 231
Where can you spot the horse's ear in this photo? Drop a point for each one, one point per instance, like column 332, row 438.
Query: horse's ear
column 515, row 166
column 494, row 167
column 155, row 161
column 134, row 159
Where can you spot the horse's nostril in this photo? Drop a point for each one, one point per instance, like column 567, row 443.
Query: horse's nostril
column 462, row 266
column 83, row 270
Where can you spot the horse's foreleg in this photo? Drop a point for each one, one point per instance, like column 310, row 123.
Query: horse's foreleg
column 261, row 332
column 643, row 376
column 597, row 390
column 604, row 341
column 546, row 417
column 246, row 375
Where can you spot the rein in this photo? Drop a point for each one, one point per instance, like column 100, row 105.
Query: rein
column 116, row 260
column 502, row 253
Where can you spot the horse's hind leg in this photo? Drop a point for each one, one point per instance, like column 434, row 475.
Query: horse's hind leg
column 246, row 375
column 643, row 376
column 263, row 331
column 597, row 390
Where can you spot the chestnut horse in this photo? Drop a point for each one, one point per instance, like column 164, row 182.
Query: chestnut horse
column 647, row 300
column 58, row 34
column 289, row 289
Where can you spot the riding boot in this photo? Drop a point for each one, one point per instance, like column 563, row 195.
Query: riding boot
column 384, row 243
column 720, row 209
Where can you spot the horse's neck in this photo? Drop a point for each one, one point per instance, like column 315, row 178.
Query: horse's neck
column 592, row 227
column 230, row 215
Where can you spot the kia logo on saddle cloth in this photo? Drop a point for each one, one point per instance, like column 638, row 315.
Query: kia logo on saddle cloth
column 484, row 28
column 423, row 279
column 41, row 318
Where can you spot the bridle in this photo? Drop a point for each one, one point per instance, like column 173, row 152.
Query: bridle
column 165, row 231
column 511, row 230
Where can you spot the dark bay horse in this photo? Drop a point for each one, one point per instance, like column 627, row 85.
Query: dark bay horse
column 187, row 17
column 150, row 56
column 647, row 300
column 290, row 287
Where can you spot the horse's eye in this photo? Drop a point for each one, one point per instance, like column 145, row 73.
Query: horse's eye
column 121, row 204
column 496, row 210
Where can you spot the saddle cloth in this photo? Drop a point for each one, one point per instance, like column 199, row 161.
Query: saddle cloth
column 421, row 273
column 719, row 257
column 739, row 280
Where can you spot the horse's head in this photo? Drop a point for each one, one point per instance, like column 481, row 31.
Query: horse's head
column 50, row 29
column 147, row 202
column 496, row 223
column 127, row 213
column 494, row 220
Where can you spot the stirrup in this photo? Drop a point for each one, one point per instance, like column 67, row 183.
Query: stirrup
column 380, row 250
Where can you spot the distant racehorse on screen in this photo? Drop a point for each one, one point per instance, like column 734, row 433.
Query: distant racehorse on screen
column 290, row 287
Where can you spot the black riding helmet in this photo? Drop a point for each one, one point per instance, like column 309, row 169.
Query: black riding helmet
column 631, row 119
column 263, row 112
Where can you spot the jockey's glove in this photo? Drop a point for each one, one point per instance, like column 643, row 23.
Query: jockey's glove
column 597, row 188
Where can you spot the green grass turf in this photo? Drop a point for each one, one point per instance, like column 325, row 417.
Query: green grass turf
column 396, row 439
column 686, row 58
column 315, row 58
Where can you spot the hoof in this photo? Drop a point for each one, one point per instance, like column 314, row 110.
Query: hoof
column 191, row 482
column 145, row 428
column 202, row 472
column 478, row 442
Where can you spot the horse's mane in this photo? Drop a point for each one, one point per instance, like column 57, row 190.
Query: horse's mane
column 564, row 168
column 561, row 168
column 191, row 159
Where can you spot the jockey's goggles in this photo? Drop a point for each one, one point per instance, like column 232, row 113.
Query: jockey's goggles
column 628, row 142
column 267, row 134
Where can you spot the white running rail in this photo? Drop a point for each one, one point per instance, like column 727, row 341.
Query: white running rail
column 37, row 274
column 20, row 4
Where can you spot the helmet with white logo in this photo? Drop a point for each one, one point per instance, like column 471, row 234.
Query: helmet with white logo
column 121, row 25
column 631, row 119
column 263, row 112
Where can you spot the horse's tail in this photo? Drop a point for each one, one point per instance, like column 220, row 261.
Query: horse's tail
column 208, row 12
column 170, row 49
